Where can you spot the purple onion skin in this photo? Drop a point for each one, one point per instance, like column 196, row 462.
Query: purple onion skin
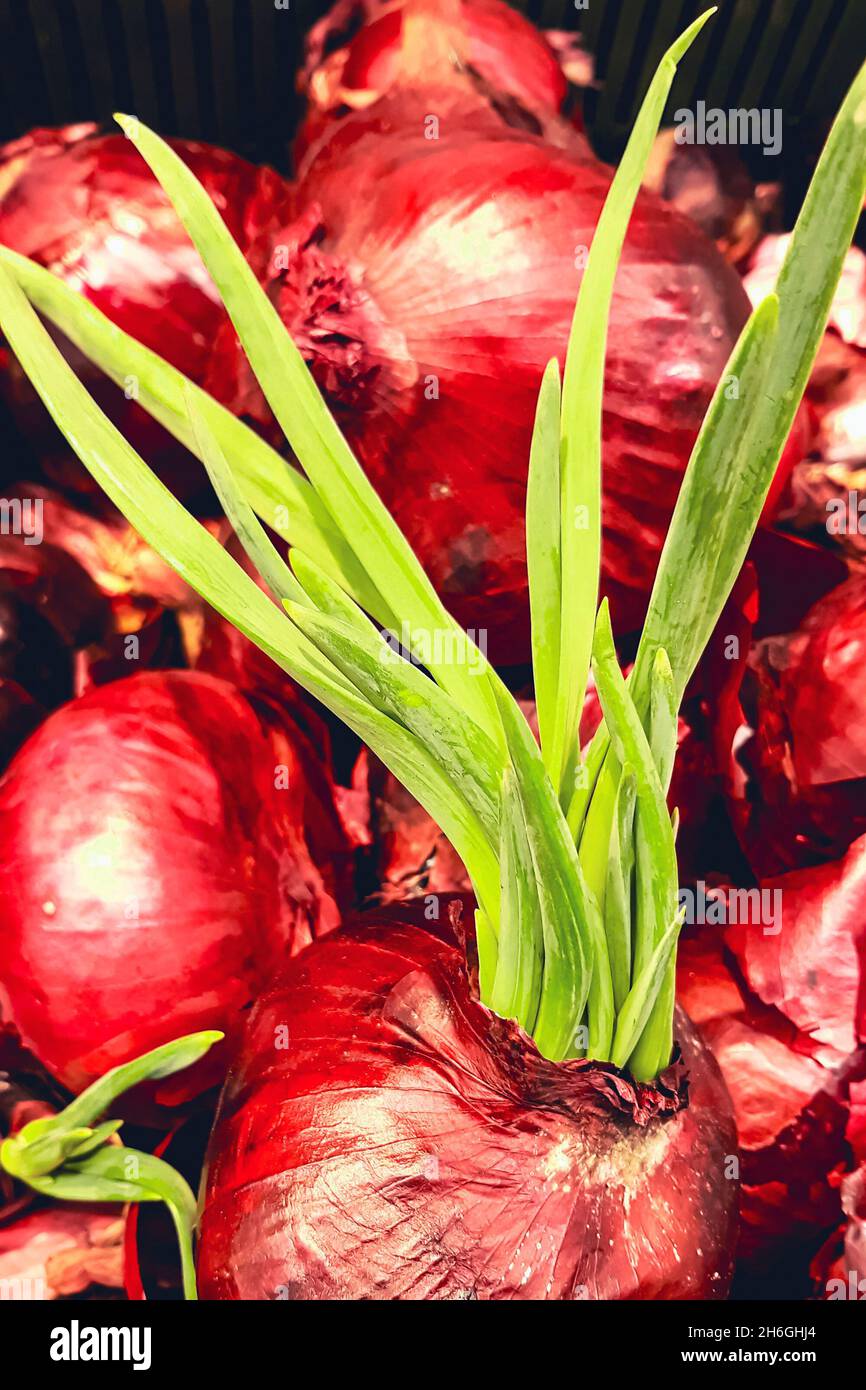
column 159, row 861
column 383, row 1136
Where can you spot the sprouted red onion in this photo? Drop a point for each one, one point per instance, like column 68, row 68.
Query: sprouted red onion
column 572, row 861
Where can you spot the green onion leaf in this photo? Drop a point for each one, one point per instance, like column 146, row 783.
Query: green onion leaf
column 465, row 754
column 717, row 511
column 116, row 1174
column 642, row 997
column 288, row 386
column 94, row 1139
column 543, row 558
column 700, row 560
column 601, row 1011
column 663, row 717
column 151, row 1066
column 618, row 894
column 564, row 905
column 586, row 775
column 517, row 985
column 742, row 438
column 248, row 529
column 209, row 569
column 283, row 499
column 63, row 1158
column 487, row 947
column 656, row 853
column 582, row 392
column 653, row 1050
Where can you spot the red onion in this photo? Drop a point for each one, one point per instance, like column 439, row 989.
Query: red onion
column 809, row 968
column 780, row 1010
column 411, row 856
column 19, row 716
column 844, row 1278
column 797, row 782
column 407, row 276
column 711, row 184
column 383, row 1135
column 364, row 48
column 50, row 610
column 157, row 863
column 86, row 206
column 61, row 1251
column 70, row 605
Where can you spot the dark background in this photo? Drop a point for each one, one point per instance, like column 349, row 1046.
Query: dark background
column 223, row 70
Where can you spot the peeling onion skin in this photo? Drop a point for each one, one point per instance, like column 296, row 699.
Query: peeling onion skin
column 404, row 1143
column 153, row 875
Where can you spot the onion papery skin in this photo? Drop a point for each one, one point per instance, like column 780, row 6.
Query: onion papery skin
column 797, row 783
column 781, row 1007
column 86, row 206
column 359, row 51
column 63, row 1251
column 448, row 266
column 153, row 872
column 382, row 1135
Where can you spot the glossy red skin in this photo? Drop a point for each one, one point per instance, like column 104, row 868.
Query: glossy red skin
column 87, row 206
column 404, row 1143
column 152, row 873
column 455, row 258
column 784, row 1013
column 797, row 786
column 359, row 51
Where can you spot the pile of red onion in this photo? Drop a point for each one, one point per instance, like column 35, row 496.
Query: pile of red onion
column 186, row 840
column 429, row 356
column 404, row 280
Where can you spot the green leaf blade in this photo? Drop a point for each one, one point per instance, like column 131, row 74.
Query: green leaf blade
column 151, row 1066
column 664, row 717
column 282, row 498
column 248, row 529
column 582, row 394
column 641, row 999
column 353, row 503
column 209, row 569
column 543, row 554
column 569, row 943
column 716, row 514
column 463, row 751
column 618, row 893
column 656, row 852
column 517, row 984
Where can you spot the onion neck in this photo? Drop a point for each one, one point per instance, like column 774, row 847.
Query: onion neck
column 332, row 318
